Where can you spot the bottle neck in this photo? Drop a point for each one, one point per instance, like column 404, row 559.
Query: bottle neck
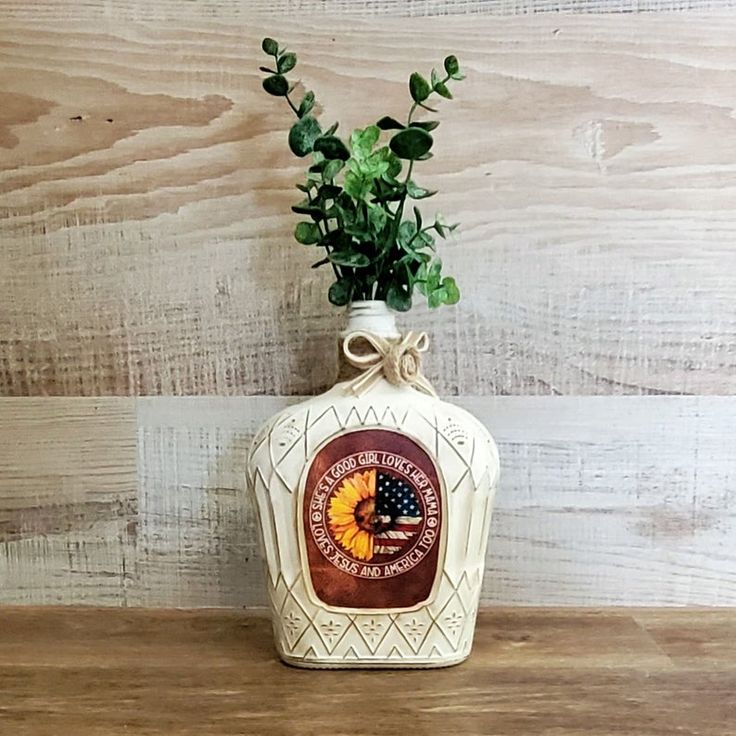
column 371, row 316
column 367, row 316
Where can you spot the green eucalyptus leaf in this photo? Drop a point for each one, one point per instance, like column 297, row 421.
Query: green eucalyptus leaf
column 332, row 169
column 435, row 268
column 436, row 79
column 349, row 258
column 441, row 226
column 356, row 186
column 420, row 278
column 432, row 275
column 329, row 191
column 451, row 290
column 320, row 262
column 337, row 239
column 314, row 212
column 303, row 134
column 306, row 105
column 398, row 297
column 345, row 201
column 357, row 228
column 441, row 89
column 332, row 148
column 451, row 64
column 426, row 107
column 411, row 143
column 411, row 258
column 436, row 298
column 425, row 156
column 276, row 85
column 424, row 240
column 389, row 123
column 392, row 181
column 332, row 128
column 406, row 233
column 419, row 87
column 417, row 192
column 394, row 167
column 377, row 218
column 267, row 70
column 341, row 292
column 427, row 125
column 307, row 233
column 390, row 193
column 363, row 140
column 270, row 46
column 331, row 213
column 286, row 62
column 377, row 164
column 418, row 218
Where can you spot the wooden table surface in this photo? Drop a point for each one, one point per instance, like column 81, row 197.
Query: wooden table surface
column 557, row 672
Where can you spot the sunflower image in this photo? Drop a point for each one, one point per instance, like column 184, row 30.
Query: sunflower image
column 352, row 514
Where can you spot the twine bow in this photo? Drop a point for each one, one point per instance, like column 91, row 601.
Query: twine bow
column 400, row 361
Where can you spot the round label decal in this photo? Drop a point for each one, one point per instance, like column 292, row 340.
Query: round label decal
column 372, row 513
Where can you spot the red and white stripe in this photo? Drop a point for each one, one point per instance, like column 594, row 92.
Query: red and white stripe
column 392, row 541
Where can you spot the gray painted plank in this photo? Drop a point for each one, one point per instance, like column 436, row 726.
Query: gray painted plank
column 603, row 500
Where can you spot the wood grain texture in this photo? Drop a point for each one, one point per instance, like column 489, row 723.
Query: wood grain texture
column 603, row 501
column 68, row 500
column 243, row 9
column 145, row 186
column 568, row 673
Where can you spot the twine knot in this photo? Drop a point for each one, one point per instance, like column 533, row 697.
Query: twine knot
column 399, row 361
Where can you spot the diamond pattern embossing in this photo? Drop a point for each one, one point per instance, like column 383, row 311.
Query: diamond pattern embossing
column 372, row 629
column 294, row 621
column 451, row 620
column 330, row 627
column 415, row 627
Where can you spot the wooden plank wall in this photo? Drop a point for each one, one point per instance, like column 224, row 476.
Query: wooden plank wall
column 153, row 308
column 604, row 500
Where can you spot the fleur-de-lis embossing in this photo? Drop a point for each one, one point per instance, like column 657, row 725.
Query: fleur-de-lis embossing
column 292, row 622
column 415, row 628
column 453, row 621
column 372, row 628
column 330, row 628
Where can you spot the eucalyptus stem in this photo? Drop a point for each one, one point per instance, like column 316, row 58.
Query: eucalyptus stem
column 291, row 105
column 402, row 201
column 323, row 234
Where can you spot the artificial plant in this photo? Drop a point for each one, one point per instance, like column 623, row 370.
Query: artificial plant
column 356, row 193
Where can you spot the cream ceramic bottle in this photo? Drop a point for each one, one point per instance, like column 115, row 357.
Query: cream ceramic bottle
column 374, row 502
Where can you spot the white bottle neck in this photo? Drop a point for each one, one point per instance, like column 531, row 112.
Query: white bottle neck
column 371, row 316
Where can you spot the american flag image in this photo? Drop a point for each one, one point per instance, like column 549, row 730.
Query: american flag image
column 397, row 505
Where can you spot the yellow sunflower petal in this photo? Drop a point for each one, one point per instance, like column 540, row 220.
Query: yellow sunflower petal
column 341, row 514
column 364, row 545
column 370, row 481
column 349, row 534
